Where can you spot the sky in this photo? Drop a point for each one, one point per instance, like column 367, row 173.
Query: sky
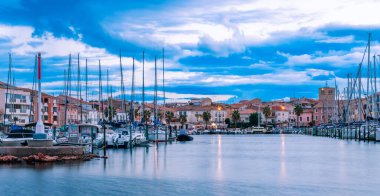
column 227, row 50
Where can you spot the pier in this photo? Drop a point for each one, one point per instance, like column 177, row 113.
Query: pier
column 22, row 151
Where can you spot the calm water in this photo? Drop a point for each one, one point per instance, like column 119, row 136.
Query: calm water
column 212, row 165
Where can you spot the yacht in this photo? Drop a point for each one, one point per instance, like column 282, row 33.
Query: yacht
column 161, row 136
column 17, row 136
column 121, row 137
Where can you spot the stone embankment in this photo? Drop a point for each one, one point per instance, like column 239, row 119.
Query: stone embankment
column 45, row 158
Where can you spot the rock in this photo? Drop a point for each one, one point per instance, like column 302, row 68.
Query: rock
column 40, row 158
column 9, row 159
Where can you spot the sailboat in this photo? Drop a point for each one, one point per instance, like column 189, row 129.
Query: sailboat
column 158, row 134
column 16, row 135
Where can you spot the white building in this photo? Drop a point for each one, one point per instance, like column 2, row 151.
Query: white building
column 17, row 109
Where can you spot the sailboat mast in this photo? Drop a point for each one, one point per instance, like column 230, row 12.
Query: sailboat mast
column 65, row 94
column 145, row 118
column 100, row 94
column 7, row 91
column 80, row 92
column 131, row 112
column 68, row 88
column 155, row 97
column 86, row 82
column 108, row 97
column 163, row 80
column 122, row 86
column 368, row 77
column 375, row 93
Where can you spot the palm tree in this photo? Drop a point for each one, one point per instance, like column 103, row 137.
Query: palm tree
column 206, row 117
column 109, row 113
column 137, row 113
column 267, row 112
column 159, row 116
column 182, row 119
column 15, row 119
column 146, row 114
column 169, row 117
column 298, row 110
column 235, row 116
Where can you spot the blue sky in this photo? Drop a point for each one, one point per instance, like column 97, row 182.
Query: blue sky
column 227, row 49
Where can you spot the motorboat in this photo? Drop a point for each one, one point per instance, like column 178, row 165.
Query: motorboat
column 258, row 130
column 138, row 137
column 158, row 135
column 17, row 136
column 183, row 136
column 121, row 137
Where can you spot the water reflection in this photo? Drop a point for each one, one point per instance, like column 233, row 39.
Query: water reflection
column 283, row 158
column 155, row 160
column 212, row 165
column 220, row 159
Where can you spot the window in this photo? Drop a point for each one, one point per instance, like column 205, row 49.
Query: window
column 46, row 117
column 307, row 119
column 316, row 110
column 55, row 109
column 300, row 118
column 316, row 117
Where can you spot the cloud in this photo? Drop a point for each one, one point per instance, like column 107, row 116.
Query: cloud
column 242, row 48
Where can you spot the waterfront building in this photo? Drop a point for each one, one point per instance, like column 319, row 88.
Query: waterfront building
column 18, row 105
column 325, row 110
column 244, row 115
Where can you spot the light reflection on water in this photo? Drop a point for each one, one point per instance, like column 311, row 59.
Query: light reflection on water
column 211, row 165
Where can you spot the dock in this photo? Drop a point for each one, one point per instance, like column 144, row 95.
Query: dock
column 22, row 151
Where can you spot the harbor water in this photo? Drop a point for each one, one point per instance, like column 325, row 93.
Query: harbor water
column 211, row 165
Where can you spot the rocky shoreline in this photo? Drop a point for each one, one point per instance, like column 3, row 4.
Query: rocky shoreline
column 42, row 158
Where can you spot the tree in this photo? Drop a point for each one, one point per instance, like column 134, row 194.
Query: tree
column 137, row 113
column 298, row 110
column 159, row 116
column 146, row 114
column 15, row 119
column 228, row 122
column 267, row 112
column 206, row 117
column 169, row 117
column 235, row 117
column 182, row 119
column 254, row 119
column 109, row 112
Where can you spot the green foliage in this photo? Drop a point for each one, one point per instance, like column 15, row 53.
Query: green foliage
column 253, row 119
column 267, row 112
column 109, row 113
column 206, row 117
column 235, row 117
column 183, row 119
column 298, row 110
column 147, row 114
column 228, row 121
column 169, row 117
